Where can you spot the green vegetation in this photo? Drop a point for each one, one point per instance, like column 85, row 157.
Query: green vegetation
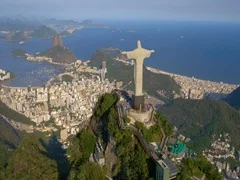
column 43, row 32
column 13, row 115
column 67, row 78
column 8, row 135
column 18, row 53
column 80, row 150
column 133, row 162
column 89, row 171
column 30, row 161
column 163, row 122
column 200, row 119
column 153, row 134
column 126, row 119
column 105, row 103
column 9, row 140
column 151, row 82
column 4, row 155
column 82, row 147
column 59, row 55
column 198, row 167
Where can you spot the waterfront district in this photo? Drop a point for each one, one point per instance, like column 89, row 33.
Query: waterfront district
column 70, row 104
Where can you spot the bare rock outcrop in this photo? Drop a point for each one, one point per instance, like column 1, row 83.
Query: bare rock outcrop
column 57, row 41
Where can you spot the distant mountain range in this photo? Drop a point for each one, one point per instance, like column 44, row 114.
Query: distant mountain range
column 22, row 23
column 22, row 28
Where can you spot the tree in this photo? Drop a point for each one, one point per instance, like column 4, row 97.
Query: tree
column 94, row 171
column 82, row 147
column 198, row 165
column 30, row 161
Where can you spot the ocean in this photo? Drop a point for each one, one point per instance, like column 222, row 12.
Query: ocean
column 204, row 50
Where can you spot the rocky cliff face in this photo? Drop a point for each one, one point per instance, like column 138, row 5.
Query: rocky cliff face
column 57, row 40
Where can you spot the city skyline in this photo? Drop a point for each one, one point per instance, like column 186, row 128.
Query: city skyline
column 215, row 10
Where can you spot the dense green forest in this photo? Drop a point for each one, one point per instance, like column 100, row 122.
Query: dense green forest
column 30, row 161
column 198, row 167
column 151, row 82
column 200, row 119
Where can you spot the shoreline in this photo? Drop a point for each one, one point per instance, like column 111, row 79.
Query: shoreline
column 159, row 71
column 193, row 88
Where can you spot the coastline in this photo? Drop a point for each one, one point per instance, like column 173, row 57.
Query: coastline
column 193, row 88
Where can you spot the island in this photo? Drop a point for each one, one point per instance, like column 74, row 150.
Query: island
column 18, row 53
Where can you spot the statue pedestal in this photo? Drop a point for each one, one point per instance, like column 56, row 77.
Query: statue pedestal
column 141, row 116
column 138, row 102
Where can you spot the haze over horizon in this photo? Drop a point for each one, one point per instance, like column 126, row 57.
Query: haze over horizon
column 193, row 10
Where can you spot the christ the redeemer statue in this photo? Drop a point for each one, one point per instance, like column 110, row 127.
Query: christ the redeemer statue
column 138, row 55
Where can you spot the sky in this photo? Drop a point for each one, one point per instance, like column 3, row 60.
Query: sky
column 212, row 10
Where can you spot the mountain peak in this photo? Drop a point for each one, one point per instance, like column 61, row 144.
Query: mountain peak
column 57, row 40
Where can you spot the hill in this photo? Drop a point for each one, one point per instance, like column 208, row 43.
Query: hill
column 18, row 53
column 233, row 99
column 8, row 135
column 9, row 140
column 16, row 36
column 151, row 82
column 42, row 32
column 200, row 119
column 59, row 22
column 30, row 161
column 59, row 54
column 92, row 24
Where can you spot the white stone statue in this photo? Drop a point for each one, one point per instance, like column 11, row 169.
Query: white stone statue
column 138, row 55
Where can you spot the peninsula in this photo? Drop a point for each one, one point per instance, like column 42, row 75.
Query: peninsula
column 57, row 54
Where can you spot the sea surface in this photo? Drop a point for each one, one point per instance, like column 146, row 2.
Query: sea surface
column 204, row 50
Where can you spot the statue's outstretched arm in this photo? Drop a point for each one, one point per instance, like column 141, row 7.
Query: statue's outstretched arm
column 130, row 54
